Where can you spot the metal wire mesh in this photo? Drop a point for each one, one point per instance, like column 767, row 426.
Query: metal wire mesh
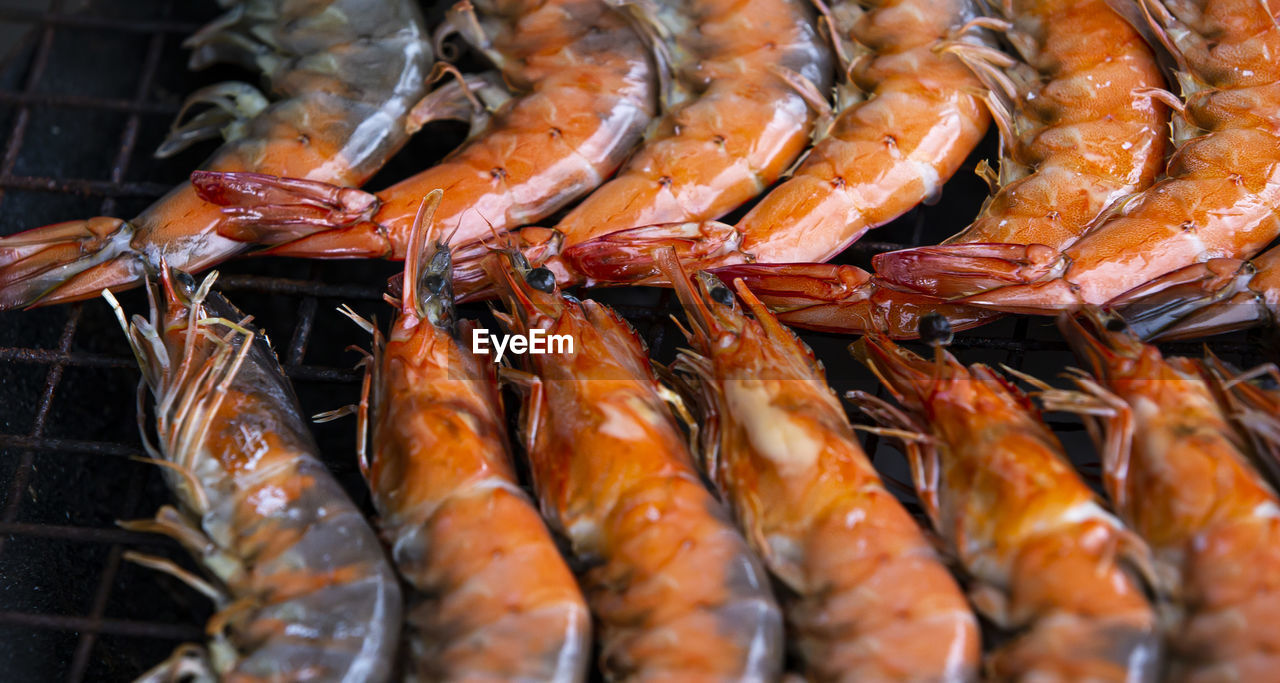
column 87, row 90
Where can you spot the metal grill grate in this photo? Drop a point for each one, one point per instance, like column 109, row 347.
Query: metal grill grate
column 87, row 90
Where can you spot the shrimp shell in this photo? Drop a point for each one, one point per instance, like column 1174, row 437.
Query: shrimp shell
column 868, row 598
column 346, row 73
column 675, row 590
column 1047, row 560
column 586, row 95
column 917, row 117
column 492, row 597
column 303, row 587
column 1178, row 473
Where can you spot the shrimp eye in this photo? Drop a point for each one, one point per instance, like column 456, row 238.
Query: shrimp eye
column 935, row 329
column 184, row 278
column 541, row 279
column 433, row 283
column 721, row 295
column 1116, row 324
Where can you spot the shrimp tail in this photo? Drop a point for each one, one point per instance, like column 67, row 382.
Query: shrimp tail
column 956, row 270
column 846, row 300
column 1203, row 299
column 302, row 218
column 629, row 256
column 67, row 262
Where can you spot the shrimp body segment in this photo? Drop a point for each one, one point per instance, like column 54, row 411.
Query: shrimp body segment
column 1220, row 192
column 675, row 590
column 584, row 97
column 303, row 588
column 868, row 599
column 743, row 70
column 343, row 74
column 491, row 597
column 1178, row 474
column 917, row 116
column 1047, row 560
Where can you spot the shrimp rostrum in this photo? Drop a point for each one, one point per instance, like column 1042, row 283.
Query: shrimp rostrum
column 676, row 591
column 491, row 599
column 344, row 75
column 867, row 599
column 303, row 587
column 1047, row 562
column 1179, row 473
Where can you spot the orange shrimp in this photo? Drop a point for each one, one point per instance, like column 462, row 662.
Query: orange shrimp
column 1047, row 560
column 346, row 72
column 304, row 590
column 1218, row 199
column 1082, row 127
column 1202, row 299
column 1178, row 474
column 676, row 592
column 868, row 598
column 917, row 116
column 587, row 89
column 492, row 597
column 755, row 72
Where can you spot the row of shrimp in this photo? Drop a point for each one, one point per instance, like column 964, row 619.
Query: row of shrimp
column 1183, row 582
column 742, row 90
column 1082, row 214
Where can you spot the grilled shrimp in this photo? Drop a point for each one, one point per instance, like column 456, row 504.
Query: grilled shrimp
column 1202, row 299
column 868, row 599
column 1047, row 560
column 913, row 115
column 748, row 86
column 345, row 72
column 1178, row 473
column 492, row 597
column 1218, row 199
column 1081, row 128
column 303, row 588
column 586, row 95
column 676, row 592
